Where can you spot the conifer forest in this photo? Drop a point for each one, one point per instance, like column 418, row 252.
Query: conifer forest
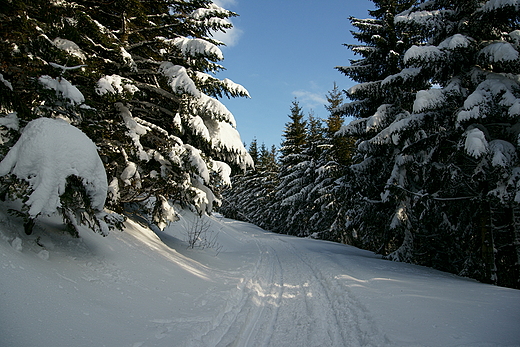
column 418, row 162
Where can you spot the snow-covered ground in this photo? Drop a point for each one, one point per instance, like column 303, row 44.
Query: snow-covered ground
column 139, row 288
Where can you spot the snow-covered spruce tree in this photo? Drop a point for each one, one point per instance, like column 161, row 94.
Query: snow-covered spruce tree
column 288, row 209
column 301, row 188
column 251, row 194
column 384, row 94
column 148, row 80
column 465, row 156
column 327, row 195
column 179, row 139
column 240, row 200
column 455, row 177
column 42, row 167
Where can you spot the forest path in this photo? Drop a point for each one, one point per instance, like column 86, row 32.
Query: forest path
column 292, row 296
column 144, row 288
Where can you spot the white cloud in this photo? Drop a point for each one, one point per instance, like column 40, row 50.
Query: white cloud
column 310, row 99
column 224, row 3
column 231, row 36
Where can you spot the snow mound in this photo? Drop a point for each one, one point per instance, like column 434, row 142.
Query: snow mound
column 178, row 79
column 115, row 84
column 500, row 52
column 49, row 151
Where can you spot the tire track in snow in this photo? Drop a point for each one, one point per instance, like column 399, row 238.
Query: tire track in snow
column 353, row 325
column 292, row 297
column 254, row 302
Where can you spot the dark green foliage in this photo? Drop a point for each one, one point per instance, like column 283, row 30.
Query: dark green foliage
column 428, row 176
column 161, row 144
column 252, row 194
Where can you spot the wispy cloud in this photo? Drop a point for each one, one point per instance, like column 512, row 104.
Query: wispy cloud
column 224, row 3
column 310, row 99
column 231, row 37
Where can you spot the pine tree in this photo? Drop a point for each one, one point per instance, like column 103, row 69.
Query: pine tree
column 383, row 96
column 452, row 149
column 146, row 72
column 341, row 148
column 251, row 195
column 328, row 197
column 459, row 143
column 37, row 67
column 295, row 134
column 288, row 208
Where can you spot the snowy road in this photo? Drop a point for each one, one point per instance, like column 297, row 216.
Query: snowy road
column 139, row 289
column 292, row 298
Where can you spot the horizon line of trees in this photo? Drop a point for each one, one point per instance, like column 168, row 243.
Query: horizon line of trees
column 434, row 175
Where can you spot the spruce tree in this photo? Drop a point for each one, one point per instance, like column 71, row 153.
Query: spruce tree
column 288, row 208
column 252, row 192
column 329, row 198
column 450, row 198
column 147, row 71
column 458, row 144
column 383, row 95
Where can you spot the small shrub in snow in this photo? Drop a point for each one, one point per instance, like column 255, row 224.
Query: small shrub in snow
column 199, row 234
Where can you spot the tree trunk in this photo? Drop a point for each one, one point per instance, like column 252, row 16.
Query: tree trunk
column 516, row 241
column 488, row 247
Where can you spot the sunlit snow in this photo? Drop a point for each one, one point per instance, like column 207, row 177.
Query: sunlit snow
column 49, row 151
column 141, row 288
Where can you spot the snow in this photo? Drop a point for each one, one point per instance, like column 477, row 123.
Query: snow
column 494, row 87
column 499, row 52
column 428, row 19
column 195, row 159
column 503, row 153
column 144, row 288
column 476, row 144
column 235, row 88
column 402, row 77
column 426, row 53
column 428, row 99
column 376, row 121
column 197, row 47
column 70, row 47
column 493, row 5
column 206, row 104
column 115, row 84
column 198, row 127
column 178, row 79
column 6, row 82
column 224, row 170
column 135, row 130
column 456, row 41
column 128, row 59
column 65, row 68
column 63, row 87
column 391, row 134
column 49, row 151
column 10, row 121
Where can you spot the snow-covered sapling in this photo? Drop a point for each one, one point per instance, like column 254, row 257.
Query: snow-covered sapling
column 55, row 167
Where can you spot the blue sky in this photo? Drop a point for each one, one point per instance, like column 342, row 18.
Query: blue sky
column 282, row 49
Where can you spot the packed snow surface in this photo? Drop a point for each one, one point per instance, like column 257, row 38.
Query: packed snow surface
column 49, row 151
column 142, row 288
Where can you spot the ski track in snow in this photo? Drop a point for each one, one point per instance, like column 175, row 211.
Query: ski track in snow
column 143, row 289
column 287, row 301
